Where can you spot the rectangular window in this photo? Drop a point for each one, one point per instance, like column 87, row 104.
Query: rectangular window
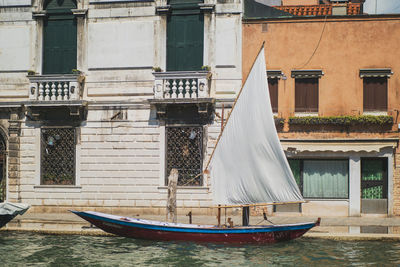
column 58, row 156
column 321, row 178
column 185, row 34
column 273, row 93
column 306, row 95
column 375, row 93
column 374, row 178
column 184, row 149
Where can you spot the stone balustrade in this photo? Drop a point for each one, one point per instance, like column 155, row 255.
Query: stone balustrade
column 181, row 84
column 64, row 87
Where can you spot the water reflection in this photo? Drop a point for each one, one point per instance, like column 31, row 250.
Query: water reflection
column 28, row 249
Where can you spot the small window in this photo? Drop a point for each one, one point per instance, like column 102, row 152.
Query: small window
column 375, row 93
column 58, row 156
column 322, row 178
column 306, row 95
column 184, row 152
column 273, row 93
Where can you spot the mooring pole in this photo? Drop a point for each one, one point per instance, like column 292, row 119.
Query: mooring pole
column 171, row 202
column 219, row 215
column 245, row 216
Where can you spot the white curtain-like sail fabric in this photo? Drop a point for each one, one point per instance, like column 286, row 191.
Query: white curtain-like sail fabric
column 249, row 165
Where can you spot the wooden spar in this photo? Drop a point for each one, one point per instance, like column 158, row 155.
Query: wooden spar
column 233, row 106
column 222, row 117
column 258, row 204
column 222, row 128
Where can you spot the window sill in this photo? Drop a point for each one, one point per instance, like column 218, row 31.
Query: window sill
column 58, row 188
column 325, row 199
column 375, row 113
column 305, row 114
column 202, row 189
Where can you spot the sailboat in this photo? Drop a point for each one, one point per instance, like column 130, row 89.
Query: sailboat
column 9, row 210
column 247, row 168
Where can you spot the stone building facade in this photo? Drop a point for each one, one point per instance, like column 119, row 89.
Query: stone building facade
column 97, row 97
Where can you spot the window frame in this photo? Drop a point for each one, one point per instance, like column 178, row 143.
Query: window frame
column 274, row 95
column 371, row 89
column 301, row 185
column 307, row 98
column 384, row 182
column 202, row 147
column 54, row 16
column 75, row 161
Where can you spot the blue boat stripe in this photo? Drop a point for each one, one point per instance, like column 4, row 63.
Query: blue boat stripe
column 200, row 230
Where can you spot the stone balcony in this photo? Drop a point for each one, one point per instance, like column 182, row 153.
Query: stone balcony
column 181, row 84
column 182, row 90
column 60, row 91
column 65, row 87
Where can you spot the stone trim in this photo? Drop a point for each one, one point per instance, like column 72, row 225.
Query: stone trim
column 387, row 72
column 303, row 74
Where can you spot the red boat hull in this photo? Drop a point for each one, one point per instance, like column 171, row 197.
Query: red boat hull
column 272, row 236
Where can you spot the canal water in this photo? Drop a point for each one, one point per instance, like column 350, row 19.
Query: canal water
column 29, row 249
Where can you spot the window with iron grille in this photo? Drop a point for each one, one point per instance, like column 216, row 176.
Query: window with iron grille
column 306, row 95
column 375, row 93
column 184, row 152
column 58, row 156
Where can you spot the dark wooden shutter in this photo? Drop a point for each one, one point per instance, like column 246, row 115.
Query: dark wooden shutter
column 306, row 95
column 375, row 93
column 185, row 33
column 59, row 38
column 273, row 93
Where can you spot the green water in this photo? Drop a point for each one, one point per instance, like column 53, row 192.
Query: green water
column 29, row 249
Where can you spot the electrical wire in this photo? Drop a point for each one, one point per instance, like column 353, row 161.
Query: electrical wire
column 316, row 48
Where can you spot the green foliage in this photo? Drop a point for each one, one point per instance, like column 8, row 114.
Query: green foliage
column 279, row 121
column 207, row 68
column 157, row 69
column 75, row 71
column 342, row 120
column 31, row 72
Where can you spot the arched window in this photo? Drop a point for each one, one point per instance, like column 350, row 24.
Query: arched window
column 59, row 37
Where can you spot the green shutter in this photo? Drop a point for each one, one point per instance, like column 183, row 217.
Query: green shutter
column 59, row 38
column 185, row 35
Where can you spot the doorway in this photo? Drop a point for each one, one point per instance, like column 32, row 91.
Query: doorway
column 374, row 185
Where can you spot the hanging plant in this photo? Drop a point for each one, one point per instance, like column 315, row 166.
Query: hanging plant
column 342, row 120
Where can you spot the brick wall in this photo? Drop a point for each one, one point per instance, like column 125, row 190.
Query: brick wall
column 396, row 184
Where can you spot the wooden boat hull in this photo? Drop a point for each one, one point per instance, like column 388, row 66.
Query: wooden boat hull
column 142, row 229
column 4, row 219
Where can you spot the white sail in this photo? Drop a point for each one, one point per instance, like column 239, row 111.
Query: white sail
column 249, row 165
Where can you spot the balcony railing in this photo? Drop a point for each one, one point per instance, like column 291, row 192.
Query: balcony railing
column 65, row 87
column 181, row 84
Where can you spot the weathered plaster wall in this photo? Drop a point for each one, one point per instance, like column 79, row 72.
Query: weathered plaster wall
column 345, row 46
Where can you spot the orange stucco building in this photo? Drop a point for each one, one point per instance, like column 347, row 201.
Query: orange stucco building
column 335, row 89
